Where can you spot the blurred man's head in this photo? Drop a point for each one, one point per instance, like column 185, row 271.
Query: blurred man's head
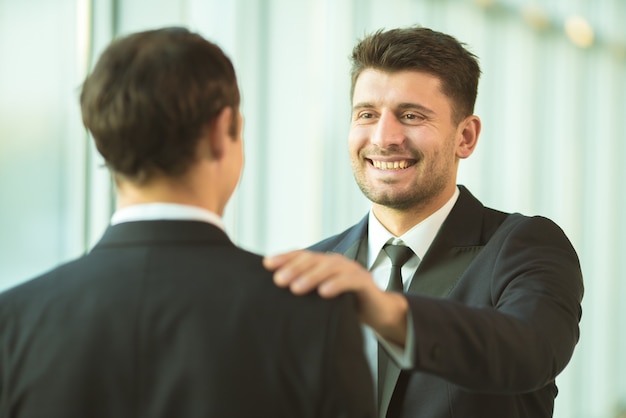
column 152, row 96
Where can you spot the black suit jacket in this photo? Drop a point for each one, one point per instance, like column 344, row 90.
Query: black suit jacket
column 171, row 319
column 495, row 305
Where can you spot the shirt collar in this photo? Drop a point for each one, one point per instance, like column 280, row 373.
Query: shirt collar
column 418, row 238
column 165, row 211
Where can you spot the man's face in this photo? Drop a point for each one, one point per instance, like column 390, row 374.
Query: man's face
column 402, row 140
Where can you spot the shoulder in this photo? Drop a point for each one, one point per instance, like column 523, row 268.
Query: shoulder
column 260, row 281
column 24, row 308
column 342, row 241
column 533, row 241
column 44, row 285
column 538, row 226
column 243, row 259
column 329, row 243
column 497, row 224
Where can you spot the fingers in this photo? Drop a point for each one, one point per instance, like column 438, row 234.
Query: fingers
column 330, row 274
column 274, row 262
column 303, row 271
column 288, row 267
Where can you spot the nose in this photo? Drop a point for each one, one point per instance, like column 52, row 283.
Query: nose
column 388, row 131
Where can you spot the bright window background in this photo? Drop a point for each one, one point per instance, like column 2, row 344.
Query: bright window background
column 553, row 138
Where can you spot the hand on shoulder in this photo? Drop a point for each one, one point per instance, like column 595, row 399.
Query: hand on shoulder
column 303, row 271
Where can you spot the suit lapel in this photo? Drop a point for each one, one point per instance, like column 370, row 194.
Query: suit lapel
column 354, row 243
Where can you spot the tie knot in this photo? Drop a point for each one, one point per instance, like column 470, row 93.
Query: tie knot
column 398, row 254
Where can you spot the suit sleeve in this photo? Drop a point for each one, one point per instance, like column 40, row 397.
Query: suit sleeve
column 348, row 377
column 7, row 341
column 514, row 325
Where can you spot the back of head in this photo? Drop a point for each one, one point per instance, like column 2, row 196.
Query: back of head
column 423, row 50
column 150, row 96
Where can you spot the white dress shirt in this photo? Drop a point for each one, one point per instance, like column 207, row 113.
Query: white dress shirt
column 419, row 238
column 165, row 211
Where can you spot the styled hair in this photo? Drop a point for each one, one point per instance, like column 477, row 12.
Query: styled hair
column 151, row 95
column 423, row 50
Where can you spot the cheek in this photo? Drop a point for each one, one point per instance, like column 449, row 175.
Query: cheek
column 352, row 146
column 357, row 139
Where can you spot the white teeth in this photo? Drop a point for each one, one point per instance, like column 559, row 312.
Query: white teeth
column 390, row 165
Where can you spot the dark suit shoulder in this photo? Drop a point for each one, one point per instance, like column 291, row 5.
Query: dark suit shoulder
column 543, row 227
column 328, row 243
column 341, row 242
column 42, row 285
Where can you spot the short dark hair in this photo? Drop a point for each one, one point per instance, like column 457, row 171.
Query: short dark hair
column 150, row 96
column 421, row 49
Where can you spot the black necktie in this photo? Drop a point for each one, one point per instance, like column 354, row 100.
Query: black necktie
column 398, row 254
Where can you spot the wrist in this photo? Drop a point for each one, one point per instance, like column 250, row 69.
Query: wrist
column 389, row 318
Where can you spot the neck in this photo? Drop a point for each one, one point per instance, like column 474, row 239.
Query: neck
column 399, row 221
column 185, row 190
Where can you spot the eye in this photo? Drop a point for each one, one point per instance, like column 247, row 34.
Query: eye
column 365, row 115
column 412, row 116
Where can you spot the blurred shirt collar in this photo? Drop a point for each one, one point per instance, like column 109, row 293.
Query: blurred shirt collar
column 165, row 211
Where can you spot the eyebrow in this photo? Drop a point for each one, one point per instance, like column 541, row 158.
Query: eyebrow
column 401, row 106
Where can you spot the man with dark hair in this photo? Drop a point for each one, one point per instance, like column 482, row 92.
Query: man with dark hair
column 481, row 308
column 166, row 317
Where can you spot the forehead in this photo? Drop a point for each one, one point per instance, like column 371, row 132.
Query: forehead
column 381, row 88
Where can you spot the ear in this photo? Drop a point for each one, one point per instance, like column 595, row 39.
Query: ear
column 219, row 133
column 469, row 130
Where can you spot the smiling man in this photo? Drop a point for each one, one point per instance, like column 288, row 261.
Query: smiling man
column 478, row 309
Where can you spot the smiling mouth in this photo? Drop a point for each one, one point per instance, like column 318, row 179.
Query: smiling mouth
column 392, row 165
